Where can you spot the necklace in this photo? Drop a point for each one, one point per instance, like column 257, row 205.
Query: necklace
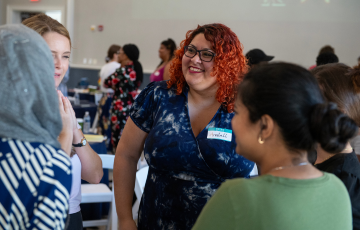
column 284, row 167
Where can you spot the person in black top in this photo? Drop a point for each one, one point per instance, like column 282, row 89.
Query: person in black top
column 341, row 84
column 347, row 168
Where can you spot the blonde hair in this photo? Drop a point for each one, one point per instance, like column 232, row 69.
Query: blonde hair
column 42, row 24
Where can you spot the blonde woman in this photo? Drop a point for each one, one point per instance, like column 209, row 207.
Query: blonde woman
column 86, row 164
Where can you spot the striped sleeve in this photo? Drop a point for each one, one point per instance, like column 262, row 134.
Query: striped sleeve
column 35, row 182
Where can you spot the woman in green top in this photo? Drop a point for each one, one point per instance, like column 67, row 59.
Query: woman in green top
column 280, row 115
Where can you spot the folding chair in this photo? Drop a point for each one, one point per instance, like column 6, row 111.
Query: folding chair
column 140, row 182
column 99, row 193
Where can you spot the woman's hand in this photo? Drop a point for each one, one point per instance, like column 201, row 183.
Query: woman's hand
column 73, row 117
column 65, row 112
column 66, row 134
column 127, row 225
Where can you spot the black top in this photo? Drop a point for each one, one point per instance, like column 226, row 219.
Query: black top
column 347, row 168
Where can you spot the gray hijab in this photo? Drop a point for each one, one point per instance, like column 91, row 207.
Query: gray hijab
column 29, row 107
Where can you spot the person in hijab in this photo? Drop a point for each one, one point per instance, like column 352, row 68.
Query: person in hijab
column 35, row 174
column 125, row 82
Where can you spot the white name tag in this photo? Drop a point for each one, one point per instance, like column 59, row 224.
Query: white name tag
column 219, row 134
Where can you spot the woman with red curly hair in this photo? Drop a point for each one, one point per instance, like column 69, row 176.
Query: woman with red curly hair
column 184, row 127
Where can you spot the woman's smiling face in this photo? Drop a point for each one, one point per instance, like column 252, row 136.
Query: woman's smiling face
column 60, row 49
column 197, row 72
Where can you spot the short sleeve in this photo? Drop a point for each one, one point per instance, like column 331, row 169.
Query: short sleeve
column 143, row 110
column 113, row 78
column 218, row 212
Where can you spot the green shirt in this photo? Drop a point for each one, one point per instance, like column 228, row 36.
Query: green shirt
column 270, row 203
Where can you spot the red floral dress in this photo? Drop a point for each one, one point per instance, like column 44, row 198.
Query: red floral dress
column 124, row 83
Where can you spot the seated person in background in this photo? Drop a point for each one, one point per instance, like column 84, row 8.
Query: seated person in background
column 326, row 58
column 327, row 49
column 359, row 60
column 257, row 57
column 166, row 53
column 86, row 163
column 35, row 174
column 341, row 84
column 324, row 49
column 110, row 67
column 280, row 114
column 125, row 81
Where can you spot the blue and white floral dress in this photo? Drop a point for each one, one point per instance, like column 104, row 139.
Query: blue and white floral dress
column 185, row 170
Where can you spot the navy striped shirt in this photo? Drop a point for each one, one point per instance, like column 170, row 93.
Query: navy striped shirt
column 35, row 182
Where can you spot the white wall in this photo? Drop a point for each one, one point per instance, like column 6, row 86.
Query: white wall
column 294, row 32
column 2, row 12
column 26, row 5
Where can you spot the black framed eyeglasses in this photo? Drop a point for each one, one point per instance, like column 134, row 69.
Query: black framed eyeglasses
column 205, row 55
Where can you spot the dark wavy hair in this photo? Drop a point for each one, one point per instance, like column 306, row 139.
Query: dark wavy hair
column 291, row 96
column 229, row 62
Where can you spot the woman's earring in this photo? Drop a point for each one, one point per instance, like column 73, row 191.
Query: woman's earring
column 260, row 141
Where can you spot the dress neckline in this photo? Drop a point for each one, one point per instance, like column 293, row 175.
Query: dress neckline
column 185, row 92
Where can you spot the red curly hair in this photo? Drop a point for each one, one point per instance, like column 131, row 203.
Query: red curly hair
column 229, row 63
